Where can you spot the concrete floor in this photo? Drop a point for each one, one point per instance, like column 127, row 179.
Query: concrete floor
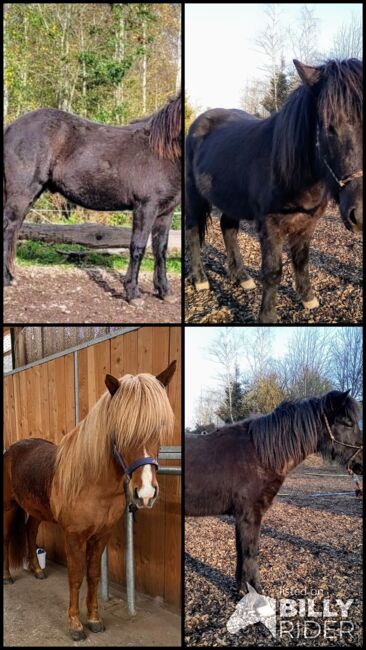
column 35, row 615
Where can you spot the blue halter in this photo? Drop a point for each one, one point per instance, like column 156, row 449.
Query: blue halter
column 128, row 470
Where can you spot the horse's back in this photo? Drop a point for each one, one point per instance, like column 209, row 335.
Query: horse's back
column 29, row 467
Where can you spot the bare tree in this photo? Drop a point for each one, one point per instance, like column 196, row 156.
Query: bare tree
column 346, row 360
column 252, row 98
column 304, row 35
column 205, row 411
column 270, row 41
column 305, row 369
column 224, row 351
column 348, row 40
column 257, row 345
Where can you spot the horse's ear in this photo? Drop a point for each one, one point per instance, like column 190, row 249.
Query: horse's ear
column 167, row 374
column 112, row 384
column 336, row 399
column 308, row 74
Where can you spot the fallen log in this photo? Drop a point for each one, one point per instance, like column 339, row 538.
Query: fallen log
column 93, row 235
column 88, row 234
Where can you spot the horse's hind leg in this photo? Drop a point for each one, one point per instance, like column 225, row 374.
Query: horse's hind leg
column 197, row 213
column 143, row 218
column 10, row 512
column 32, row 529
column 237, row 272
column 15, row 211
column 160, row 234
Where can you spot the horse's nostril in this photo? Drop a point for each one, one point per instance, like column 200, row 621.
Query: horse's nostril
column 352, row 216
column 135, row 493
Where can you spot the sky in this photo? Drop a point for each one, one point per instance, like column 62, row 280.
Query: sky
column 220, row 50
column 201, row 372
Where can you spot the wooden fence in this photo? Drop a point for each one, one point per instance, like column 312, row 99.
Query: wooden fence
column 41, row 401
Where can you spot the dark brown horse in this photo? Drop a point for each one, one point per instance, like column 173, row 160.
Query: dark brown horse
column 135, row 167
column 80, row 483
column 279, row 172
column 239, row 469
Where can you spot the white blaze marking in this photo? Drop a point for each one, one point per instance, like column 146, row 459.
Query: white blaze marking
column 147, row 490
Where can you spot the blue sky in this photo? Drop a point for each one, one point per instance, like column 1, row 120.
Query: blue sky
column 201, row 373
column 220, row 50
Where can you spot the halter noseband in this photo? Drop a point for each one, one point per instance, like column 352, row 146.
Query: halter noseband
column 129, row 469
column 341, row 182
column 345, row 444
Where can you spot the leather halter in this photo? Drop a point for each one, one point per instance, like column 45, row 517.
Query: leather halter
column 129, row 469
column 345, row 444
column 341, row 182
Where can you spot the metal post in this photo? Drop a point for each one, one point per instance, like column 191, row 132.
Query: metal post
column 104, row 575
column 130, row 565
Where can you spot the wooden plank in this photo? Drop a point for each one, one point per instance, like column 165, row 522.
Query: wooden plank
column 8, row 434
column 89, row 234
column 144, row 349
column 24, row 433
column 45, row 404
column 70, row 421
column 17, row 402
column 175, row 386
column 173, row 538
column 52, row 400
column 60, row 399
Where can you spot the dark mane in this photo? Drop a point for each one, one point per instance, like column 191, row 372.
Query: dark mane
column 340, row 96
column 166, row 130
column 290, row 431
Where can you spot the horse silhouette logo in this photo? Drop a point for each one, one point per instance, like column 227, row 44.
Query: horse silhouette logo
column 253, row 608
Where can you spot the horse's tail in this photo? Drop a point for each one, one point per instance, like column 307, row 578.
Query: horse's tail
column 18, row 539
column 198, row 209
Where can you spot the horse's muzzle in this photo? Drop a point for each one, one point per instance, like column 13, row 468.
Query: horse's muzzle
column 144, row 502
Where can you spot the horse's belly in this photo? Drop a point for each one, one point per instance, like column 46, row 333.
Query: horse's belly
column 35, row 508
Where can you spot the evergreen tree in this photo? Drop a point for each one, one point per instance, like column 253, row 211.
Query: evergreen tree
column 277, row 94
column 236, row 412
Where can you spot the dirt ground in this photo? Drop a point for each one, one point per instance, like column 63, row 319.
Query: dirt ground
column 335, row 271
column 310, row 547
column 89, row 295
column 35, row 616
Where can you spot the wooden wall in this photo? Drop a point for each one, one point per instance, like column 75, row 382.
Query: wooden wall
column 39, row 402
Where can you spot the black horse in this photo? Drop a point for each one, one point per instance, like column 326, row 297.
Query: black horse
column 135, row 167
column 279, row 172
column 239, row 468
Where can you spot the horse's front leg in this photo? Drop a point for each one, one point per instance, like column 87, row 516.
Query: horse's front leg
column 271, row 241
column 160, row 234
column 247, row 535
column 299, row 242
column 75, row 554
column 94, row 550
column 143, row 218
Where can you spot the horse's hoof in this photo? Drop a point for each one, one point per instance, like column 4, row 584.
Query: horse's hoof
column 201, row 286
column 40, row 575
column 78, row 635
column 136, row 302
column 248, row 284
column 96, row 626
column 311, row 304
column 8, row 581
column 170, row 298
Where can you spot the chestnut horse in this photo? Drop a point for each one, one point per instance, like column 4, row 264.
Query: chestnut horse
column 239, row 468
column 81, row 482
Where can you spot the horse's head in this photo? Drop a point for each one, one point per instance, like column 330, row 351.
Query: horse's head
column 337, row 87
column 342, row 440
column 140, row 415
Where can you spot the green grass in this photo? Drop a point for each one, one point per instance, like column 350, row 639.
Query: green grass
column 31, row 253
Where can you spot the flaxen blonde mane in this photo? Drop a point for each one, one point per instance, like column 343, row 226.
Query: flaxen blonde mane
column 139, row 414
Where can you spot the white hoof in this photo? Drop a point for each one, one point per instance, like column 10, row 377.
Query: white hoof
column 200, row 286
column 248, row 284
column 311, row 304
